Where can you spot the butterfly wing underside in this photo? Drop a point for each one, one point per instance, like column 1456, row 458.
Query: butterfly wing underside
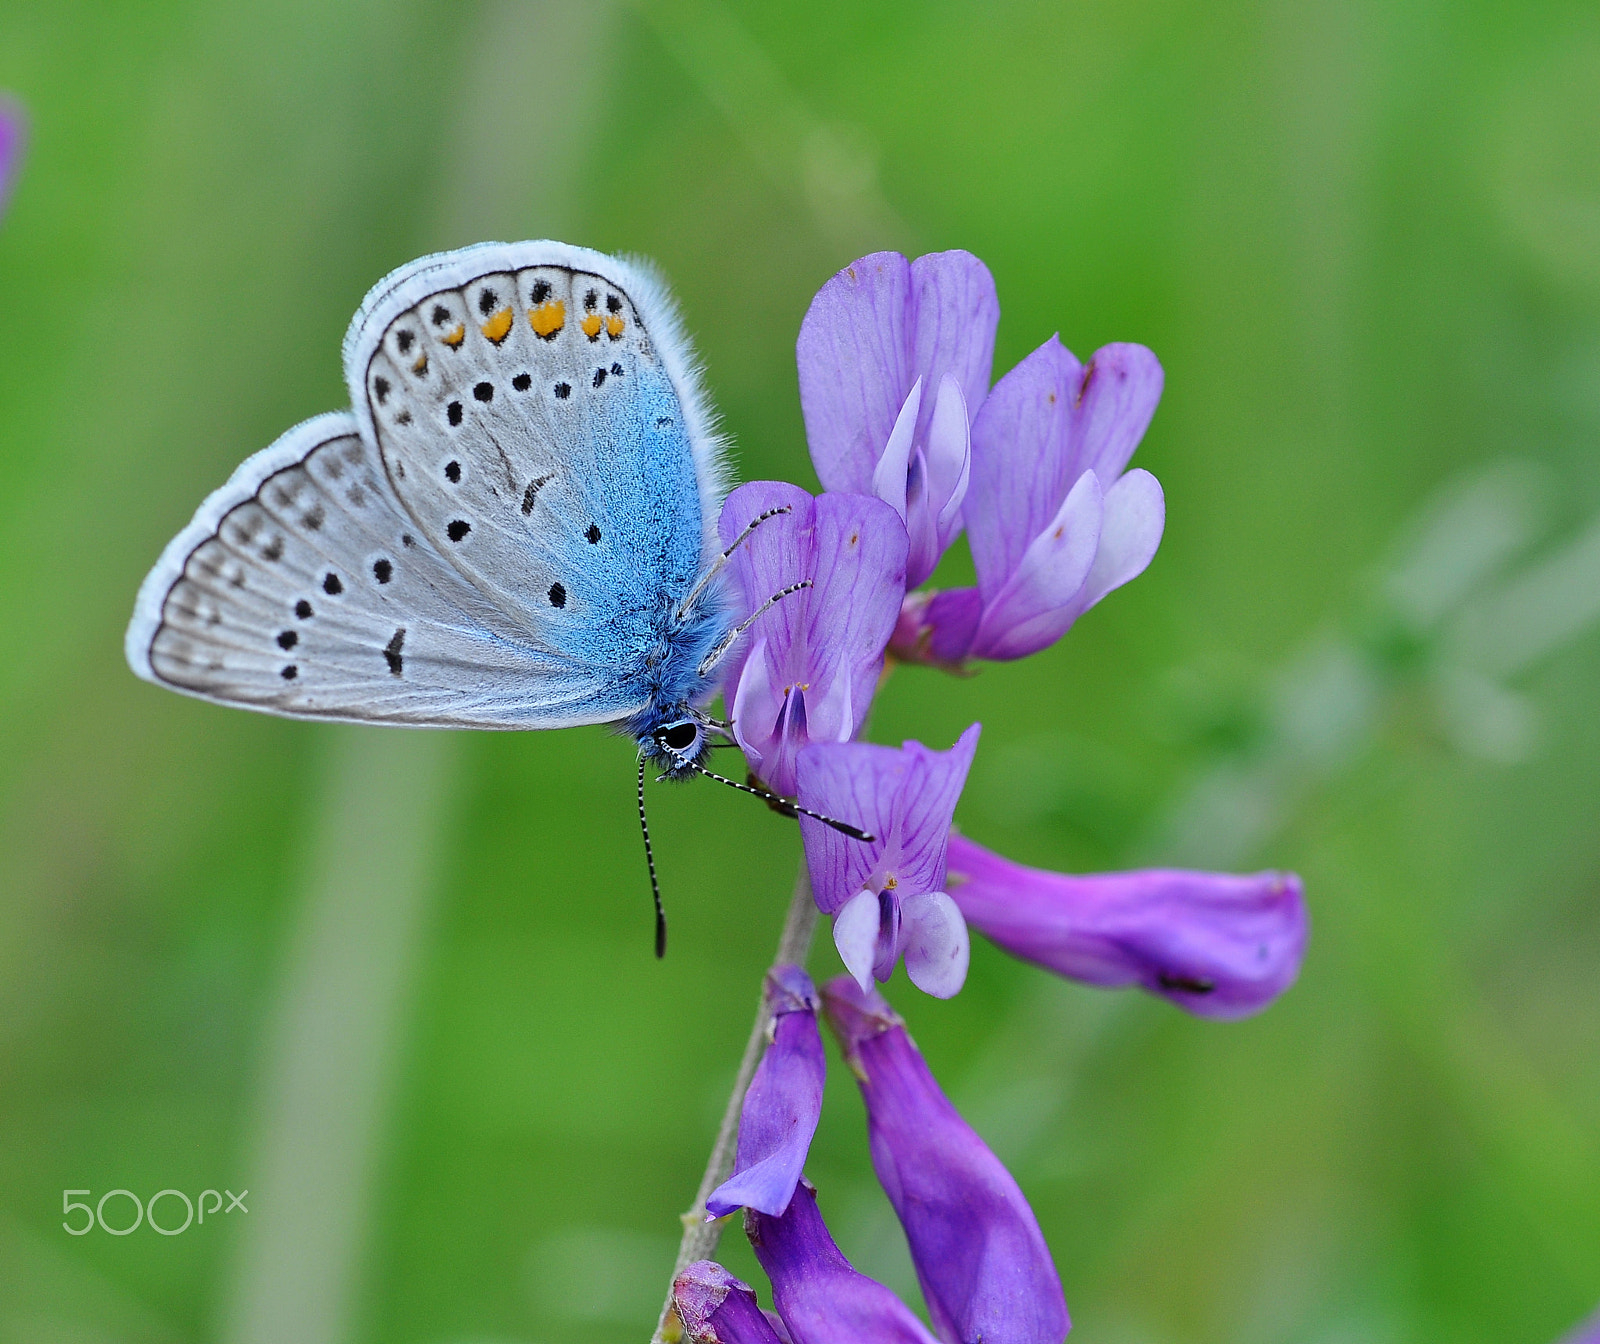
column 483, row 541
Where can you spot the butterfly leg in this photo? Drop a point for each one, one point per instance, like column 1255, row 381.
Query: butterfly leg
column 726, row 642
column 720, row 563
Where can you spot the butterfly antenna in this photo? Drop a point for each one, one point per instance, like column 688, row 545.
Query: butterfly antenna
column 726, row 642
column 783, row 804
column 650, row 858
column 716, row 566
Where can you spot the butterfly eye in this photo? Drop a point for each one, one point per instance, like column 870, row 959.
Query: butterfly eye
column 678, row 736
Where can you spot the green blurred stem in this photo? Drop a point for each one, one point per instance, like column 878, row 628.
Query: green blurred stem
column 699, row 1236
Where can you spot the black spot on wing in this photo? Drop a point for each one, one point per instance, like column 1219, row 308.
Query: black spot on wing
column 380, row 389
column 404, row 339
column 488, row 301
column 290, row 673
column 302, row 609
column 522, row 382
column 483, row 391
column 391, row 651
column 452, row 472
column 383, row 570
column 541, row 291
column 563, row 391
column 592, row 536
column 558, row 595
column 287, row 640
column 613, row 304
column 314, row 518
column 458, row 529
column 532, row 492
column 273, row 550
column 452, row 412
column 599, row 377
column 331, row 584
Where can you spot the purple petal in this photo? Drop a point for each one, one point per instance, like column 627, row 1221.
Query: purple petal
column 782, row 1105
column 1039, row 602
column 13, row 137
column 717, row 1308
column 904, row 797
column 985, row 1271
column 823, row 646
column 1216, row 944
column 1114, row 405
column 854, row 356
column 1047, row 422
column 937, row 628
column 821, row 1298
column 1020, row 461
column 1586, row 1333
column 956, row 313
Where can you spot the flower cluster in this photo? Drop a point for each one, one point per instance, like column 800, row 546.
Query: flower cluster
column 912, row 447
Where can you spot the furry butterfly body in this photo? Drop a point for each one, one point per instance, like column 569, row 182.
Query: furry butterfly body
column 513, row 527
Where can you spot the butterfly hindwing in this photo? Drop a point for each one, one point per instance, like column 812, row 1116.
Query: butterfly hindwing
column 303, row 588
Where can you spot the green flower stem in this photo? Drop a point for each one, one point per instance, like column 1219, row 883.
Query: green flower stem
column 700, row 1237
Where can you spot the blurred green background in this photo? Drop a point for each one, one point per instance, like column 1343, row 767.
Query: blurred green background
column 399, row 985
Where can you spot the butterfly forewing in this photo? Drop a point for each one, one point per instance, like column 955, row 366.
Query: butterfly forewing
column 530, row 427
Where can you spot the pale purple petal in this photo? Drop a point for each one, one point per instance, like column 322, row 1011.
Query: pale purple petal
column 949, row 457
column 821, row 649
column 1217, row 944
column 855, row 934
column 985, row 1271
column 717, row 1308
column 822, row 1299
column 13, row 139
column 905, row 797
column 889, row 476
column 782, row 1105
column 935, row 943
column 1037, row 604
column 1130, row 531
column 854, row 355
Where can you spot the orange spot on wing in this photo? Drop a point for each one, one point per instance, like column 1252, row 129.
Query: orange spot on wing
column 421, row 366
column 591, row 326
column 548, row 318
column 454, row 338
column 498, row 326
column 614, row 326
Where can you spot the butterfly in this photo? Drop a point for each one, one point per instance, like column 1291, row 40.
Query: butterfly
column 514, row 527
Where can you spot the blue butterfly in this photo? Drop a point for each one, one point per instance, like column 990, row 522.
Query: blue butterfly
column 515, row 527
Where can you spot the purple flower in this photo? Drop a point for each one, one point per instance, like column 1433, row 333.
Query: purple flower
column 807, row 669
column 1217, row 944
column 821, row 1298
column 783, row 1104
column 1053, row 520
column 887, row 895
column 717, row 1308
column 13, row 137
column 985, row 1271
column 893, row 357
